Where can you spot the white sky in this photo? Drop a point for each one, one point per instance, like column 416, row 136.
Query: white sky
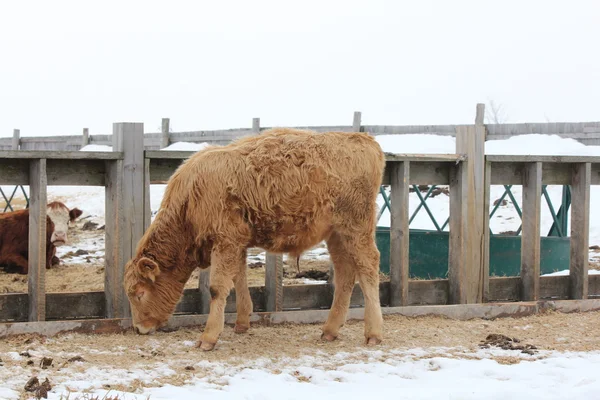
column 65, row 65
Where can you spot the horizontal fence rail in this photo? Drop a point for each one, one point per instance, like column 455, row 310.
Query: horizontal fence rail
column 129, row 170
column 584, row 132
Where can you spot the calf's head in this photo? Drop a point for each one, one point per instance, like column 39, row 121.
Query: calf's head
column 153, row 293
column 61, row 216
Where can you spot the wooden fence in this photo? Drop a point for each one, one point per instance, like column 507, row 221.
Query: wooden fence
column 584, row 132
column 469, row 291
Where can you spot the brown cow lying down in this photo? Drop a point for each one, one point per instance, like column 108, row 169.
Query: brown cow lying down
column 284, row 191
column 14, row 235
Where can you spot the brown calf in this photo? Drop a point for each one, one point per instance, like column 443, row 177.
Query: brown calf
column 285, row 191
column 14, row 236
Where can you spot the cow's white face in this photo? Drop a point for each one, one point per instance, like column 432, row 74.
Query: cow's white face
column 62, row 217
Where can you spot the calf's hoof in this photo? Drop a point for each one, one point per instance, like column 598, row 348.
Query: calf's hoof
column 205, row 345
column 239, row 328
column 328, row 337
column 373, row 341
column 55, row 261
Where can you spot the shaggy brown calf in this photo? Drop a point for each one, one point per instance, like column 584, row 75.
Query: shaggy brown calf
column 14, row 235
column 284, row 191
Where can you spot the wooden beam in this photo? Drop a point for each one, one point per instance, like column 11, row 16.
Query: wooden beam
column 485, row 252
column 580, row 230
column 16, row 139
column 62, row 155
column 544, row 159
column 470, row 140
column 38, row 202
column 399, row 233
column 147, row 193
column 14, row 307
column 480, row 114
column 530, row 237
column 274, row 282
column 356, row 121
column 164, row 133
column 114, row 259
column 204, row 289
column 457, row 254
column 85, row 138
column 124, row 191
column 459, row 312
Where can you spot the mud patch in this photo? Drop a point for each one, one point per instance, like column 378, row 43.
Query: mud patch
column 506, row 343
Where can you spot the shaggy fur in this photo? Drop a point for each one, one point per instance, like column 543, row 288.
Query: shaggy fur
column 14, row 235
column 284, row 191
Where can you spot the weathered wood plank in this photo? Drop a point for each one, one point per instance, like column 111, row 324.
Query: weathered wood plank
column 544, row 159
column 424, row 173
column 16, row 139
column 114, row 260
column 162, row 169
column 470, row 140
column 85, row 138
column 485, row 252
column 204, row 290
column 61, row 155
column 509, row 173
column 164, row 137
column 399, row 233
column 480, row 114
column 80, row 172
column 580, row 230
column 38, row 201
column 147, row 193
column 457, row 252
column 530, row 237
column 14, row 171
column 356, row 121
column 14, row 307
column 460, row 312
column 274, row 282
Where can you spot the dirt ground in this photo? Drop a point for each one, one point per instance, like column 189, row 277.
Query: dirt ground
column 437, row 335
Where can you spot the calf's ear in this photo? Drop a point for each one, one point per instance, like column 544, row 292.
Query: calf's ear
column 74, row 214
column 148, row 268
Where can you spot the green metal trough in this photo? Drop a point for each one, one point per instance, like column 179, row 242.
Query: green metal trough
column 428, row 249
column 428, row 254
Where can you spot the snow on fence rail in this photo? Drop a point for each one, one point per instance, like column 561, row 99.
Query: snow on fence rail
column 127, row 172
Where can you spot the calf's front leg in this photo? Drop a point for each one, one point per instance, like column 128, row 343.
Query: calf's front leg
column 223, row 270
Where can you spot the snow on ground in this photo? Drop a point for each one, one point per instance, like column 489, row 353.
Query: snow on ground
column 409, row 374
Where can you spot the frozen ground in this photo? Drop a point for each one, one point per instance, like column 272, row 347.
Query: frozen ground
column 421, row 358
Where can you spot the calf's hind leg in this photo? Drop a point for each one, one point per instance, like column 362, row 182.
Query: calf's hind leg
column 344, row 279
column 355, row 257
column 242, row 298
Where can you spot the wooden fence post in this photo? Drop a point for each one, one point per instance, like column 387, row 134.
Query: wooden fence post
column 399, row 234
column 16, row 140
column 85, row 139
column 356, row 121
column 164, row 138
column 466, row 263
column 125, row 227
column 530, row 236
column 37, row 240
column 581, row 177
